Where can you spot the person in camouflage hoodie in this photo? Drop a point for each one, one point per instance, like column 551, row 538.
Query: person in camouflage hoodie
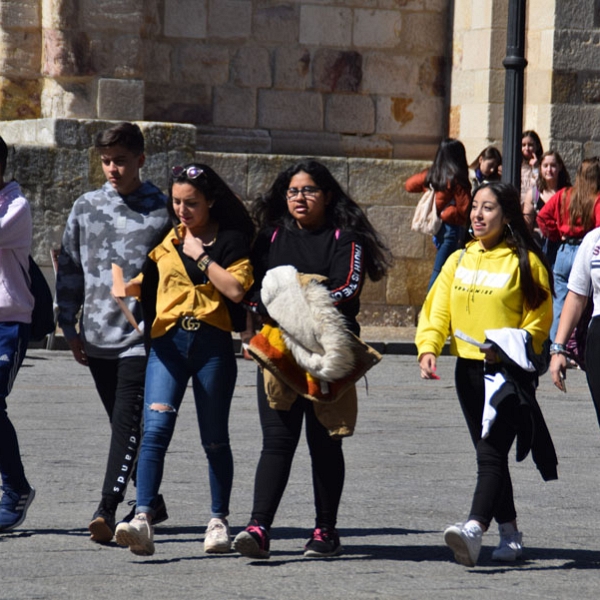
column 116, row 224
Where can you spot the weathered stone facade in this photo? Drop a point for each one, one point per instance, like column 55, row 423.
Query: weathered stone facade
column 353, row 78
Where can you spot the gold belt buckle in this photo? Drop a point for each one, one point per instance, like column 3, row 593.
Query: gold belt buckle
column 190, row 323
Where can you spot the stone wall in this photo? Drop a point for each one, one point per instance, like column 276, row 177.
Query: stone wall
column 575, row 91
column 356, row 78
column 54, row 163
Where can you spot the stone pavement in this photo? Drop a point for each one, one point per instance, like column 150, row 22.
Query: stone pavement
column 409, row 473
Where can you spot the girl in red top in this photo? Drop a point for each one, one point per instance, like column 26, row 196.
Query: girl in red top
column 566, row 218
column 449, row 177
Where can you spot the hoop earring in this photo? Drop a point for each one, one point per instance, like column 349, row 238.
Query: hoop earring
column 471, row 232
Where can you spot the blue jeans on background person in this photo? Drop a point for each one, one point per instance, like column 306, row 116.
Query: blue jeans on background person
column 206, row 356
column 563, row 264
column 13, row 345
column 446, row 240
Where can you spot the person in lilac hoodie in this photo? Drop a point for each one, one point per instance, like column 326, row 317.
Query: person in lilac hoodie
column 16, row 305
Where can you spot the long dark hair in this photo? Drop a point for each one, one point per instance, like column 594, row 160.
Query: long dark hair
column 518, row 237
column 538, row 149
column 449, row 166
column 271, row 209
column 227, row 209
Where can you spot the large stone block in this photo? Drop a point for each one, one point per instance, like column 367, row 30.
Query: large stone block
column 407, row 281
column 232, row 168
column 120, row 99
column 576, row 50
column 20, row 14
column 279, row 23
column 251, row 67
column 376, row 28
column 368, row 146
column 234, row 107
column 393, row 223
column 325, row 25
column 424, row 32
column 224, row 139
column 179, row 102
column 67, row 99
column 390, row 74
column 117, row 56
column 292, row 68
column 381, row 182
column 410, row 116
column 20, row 99
column 302, row 111
column 66, row 54
column 186, row 19
column 229, row 19
column 347, row 113
column 337, row 70
column 156, row 57
column 111, row 15
column 302, row 143
column 20, row 54
column 194, row 63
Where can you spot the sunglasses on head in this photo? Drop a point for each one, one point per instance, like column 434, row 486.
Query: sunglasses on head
column 189, row 172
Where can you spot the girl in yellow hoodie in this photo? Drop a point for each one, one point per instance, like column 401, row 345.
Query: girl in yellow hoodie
column 499, row 280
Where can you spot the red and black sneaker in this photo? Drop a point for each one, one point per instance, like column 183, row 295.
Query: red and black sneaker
column 324, row 542
column 253, row 541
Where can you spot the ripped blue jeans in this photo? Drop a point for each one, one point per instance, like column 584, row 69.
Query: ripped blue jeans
column 207, row 357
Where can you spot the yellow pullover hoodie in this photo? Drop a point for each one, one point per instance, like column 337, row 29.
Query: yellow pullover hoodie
column 480, row 289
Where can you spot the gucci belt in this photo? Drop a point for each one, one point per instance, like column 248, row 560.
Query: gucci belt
column 190, row 323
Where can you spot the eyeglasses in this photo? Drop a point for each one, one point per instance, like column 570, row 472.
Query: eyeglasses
column 308, row 191
column 189, row 172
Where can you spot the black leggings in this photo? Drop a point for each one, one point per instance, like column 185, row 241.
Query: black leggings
column 493, row 496
column 120, row 383
column 281, row 432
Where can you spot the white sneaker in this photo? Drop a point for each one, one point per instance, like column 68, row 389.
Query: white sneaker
column 465, row 542
column 217, row 538
column 511, row 544
column 138, row 534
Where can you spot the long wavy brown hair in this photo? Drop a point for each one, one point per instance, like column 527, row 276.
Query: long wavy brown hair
column 584, row 193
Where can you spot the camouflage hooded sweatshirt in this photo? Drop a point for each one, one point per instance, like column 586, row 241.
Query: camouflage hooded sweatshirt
column 104, row 228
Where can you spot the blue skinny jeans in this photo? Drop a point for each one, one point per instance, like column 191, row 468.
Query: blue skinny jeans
column 207, row 357
column 446, row 241
column 13, row 345
column 565, row 257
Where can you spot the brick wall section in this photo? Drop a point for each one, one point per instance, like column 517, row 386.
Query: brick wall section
column 54, row 163
column 362, row 77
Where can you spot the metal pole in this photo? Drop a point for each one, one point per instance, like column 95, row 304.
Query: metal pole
column 515, row 64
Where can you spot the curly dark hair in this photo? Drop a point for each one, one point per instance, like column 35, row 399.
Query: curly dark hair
column 227, row 209
column 271, row 209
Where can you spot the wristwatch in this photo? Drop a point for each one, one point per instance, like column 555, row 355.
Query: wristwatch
column 203, row 261
column 557, row 349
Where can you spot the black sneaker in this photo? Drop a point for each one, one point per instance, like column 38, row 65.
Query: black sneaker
column 324, row 542
column 253, row 541
column 102, row 525
column 160, row 512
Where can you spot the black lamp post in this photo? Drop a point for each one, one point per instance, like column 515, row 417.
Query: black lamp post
column 515, row 64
